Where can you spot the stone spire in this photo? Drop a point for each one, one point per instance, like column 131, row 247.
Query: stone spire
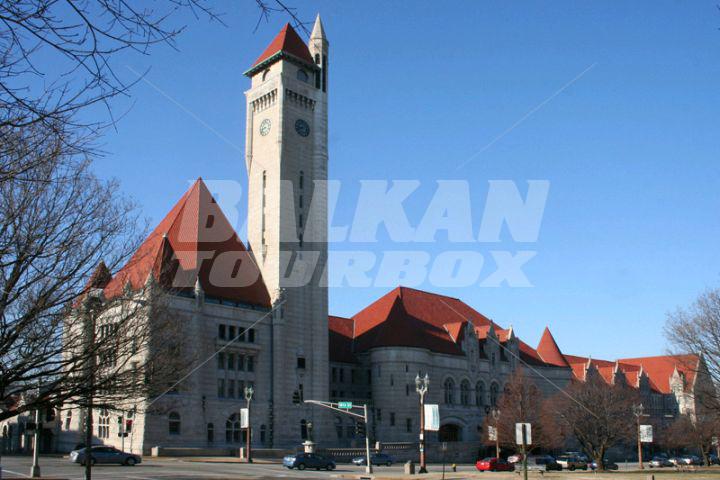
column 318, row 32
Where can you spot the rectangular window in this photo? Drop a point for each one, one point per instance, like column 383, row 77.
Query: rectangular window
column 250, row 362
column 221, row 332
column 241, row 388
column 231, row 389
column 241, row 362
column 241, row 337
column 231, row 333
column 334, row 375
column 408, row 425
column 342, row 371
column 221, row 361
column 379, row 415
column 231, row 361
column 392, row 419
column 221, row 387
column 251, row 335
column 301, row 362
column 352, row 376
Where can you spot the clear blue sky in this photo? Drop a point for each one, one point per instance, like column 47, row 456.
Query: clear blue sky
column 631, row 149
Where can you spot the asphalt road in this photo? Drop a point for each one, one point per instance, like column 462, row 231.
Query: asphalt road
column 156, row 469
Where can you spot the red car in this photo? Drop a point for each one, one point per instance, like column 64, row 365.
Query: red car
column 493, row 464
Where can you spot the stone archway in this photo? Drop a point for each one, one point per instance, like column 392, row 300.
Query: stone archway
column 450, row 432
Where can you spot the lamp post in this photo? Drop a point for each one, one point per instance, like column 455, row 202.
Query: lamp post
column 248, row 397
column 638, row 412
column 421, row 387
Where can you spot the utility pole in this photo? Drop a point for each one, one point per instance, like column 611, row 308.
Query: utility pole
column 248, row 449
column 638, row 412
column 368, row 468
column 524, row 451
column 421, row 387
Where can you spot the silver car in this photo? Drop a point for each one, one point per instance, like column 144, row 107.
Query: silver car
column 103, row 454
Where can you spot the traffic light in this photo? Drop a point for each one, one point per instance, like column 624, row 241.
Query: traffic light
column 360, row 429
column 296, row 397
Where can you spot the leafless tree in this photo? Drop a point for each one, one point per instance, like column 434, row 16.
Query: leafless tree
column 59, row 57
column 520, row 402
column 696, row 329
column 698, row 433
column 594, row 414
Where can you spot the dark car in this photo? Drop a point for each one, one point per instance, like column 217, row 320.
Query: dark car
column 542, row 462
column 103, row 454
column 375, row 459
column 607, row 465
column 301, row 461
column 660, row 461
column 494, row 464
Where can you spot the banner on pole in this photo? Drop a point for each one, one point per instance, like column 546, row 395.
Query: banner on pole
column 492, row 434
column 244, row 418
column 432, row 418
column 646, row 433
column 521, row 428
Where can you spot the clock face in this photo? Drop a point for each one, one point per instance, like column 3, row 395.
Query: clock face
column 302, row 127
column 265, row 127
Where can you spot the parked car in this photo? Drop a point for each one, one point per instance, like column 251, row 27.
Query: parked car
column 713, row 459
column 375, row 459
column 104, row 454
column 301, row 461
column 691, row 460
column 517, row 458
column 571, row 462
column 579, row 455
column 607, row 464
column 660, row 462
column 494, row 464
column 543, row 462
column 676, row 461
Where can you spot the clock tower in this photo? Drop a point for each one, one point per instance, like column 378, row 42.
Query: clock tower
column 286, row 156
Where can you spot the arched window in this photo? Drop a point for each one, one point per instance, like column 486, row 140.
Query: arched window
column 174, row 423
column 68, row 419
column 317, row 58
column 479, row 394
column 232, row 429
column 265, row 74
column 449, row 386
column 494, row 394
column 210, row 433
column 302, row 75
column 303, row 429
column 465, row 392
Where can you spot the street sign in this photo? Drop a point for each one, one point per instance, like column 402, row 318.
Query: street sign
column 345, row 405
column 492, row 433
column 432, row 417
column 646, row 433
column 244, row 418
column 519, row 427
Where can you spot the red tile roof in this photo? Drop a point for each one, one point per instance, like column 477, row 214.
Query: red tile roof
column 549, row 350
column 287, row 42
column 659, row 369
column 195, row 241
column 415, row 318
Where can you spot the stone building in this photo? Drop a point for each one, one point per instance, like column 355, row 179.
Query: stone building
column 259, row 311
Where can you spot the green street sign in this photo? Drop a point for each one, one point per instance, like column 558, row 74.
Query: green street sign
column 345, row 405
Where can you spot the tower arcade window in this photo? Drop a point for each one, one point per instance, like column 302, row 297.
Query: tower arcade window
column 265, row 74
column 303, row 76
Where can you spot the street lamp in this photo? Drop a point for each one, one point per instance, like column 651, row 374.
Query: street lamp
column 248, row 397
column 638, row 412
column 495, row 413
column 421, row 387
